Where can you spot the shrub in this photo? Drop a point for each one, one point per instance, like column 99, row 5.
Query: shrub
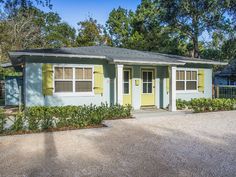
column 2, row 120
column 42, row 117
column 182, row 104
column 207, row 104
column 18, row 122
column 39, row 118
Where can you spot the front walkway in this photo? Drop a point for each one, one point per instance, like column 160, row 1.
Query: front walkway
column 161, row 145
column 155, row 113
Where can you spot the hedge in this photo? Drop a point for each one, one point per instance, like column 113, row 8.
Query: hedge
column 41, row 118
column 207, row 104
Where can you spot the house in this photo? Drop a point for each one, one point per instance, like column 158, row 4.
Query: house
column 227, row 76
column 101, row 74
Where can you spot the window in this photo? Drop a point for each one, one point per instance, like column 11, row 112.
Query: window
column 126, row 81
column 186, row 80
column 63, row 79
column 147, row 81
column 73, row 79
column 83, row 81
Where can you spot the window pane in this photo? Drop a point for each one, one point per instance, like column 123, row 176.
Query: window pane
column 180, row 85
column 87, row 73
column 126, row 88
column 194, row 75
column 191, row 85
column 177, row 75
column 63, row 86
column 68, row 73
column 149, row 87
column 79, row 73
column 149, row 76
column 188, row 75
column 83, row 86
column 144, row 76
column 180, row 75
column 58, row 73
column 126, row 76
column 144, row 87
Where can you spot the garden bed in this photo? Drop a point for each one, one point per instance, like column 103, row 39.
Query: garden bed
column 23, row 132
column 49, row 119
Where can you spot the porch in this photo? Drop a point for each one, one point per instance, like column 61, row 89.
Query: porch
column 146, row 86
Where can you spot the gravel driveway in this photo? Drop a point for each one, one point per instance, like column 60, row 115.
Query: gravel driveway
column 154, row 144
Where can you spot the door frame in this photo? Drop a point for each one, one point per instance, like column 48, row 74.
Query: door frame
column 154, row 70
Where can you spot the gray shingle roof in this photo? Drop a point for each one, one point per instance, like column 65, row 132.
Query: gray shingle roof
column 114, row 54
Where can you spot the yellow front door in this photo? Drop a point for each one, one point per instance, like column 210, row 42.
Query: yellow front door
column 127, row 87
column 148, row 88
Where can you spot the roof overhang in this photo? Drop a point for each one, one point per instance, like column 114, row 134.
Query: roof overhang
column 18, row 54
column 205, row 62
column 147, row 62
column 16, row 59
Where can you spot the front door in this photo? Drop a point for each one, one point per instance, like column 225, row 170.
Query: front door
column 127, row 87
column 148, row 88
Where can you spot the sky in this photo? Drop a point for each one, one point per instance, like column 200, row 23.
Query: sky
column 73, row 11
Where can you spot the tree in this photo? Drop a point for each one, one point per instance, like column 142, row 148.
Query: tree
column 90, row 33
column 55, row 32
column 155, row 36
column 33, row 28
column 229, row 49
column 19, row 32
column 194, row 17
column 143, row 30
column 118, row 26
column 11, row 7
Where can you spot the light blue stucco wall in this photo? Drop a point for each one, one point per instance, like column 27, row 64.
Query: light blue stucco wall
column 207, row 89
column 33, row 86
column 34, row 96
column 161, row 93
column 12, row 90
column 189, row 95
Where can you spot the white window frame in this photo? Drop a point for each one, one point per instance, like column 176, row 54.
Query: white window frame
column 185, row 80
column 147, row 82
column 73, row 66
column 127, row 82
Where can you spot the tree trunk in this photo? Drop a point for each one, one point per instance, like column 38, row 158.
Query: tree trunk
column 195, row 37
column 195, row 47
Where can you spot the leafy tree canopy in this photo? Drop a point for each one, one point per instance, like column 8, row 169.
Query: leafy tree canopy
column 91, row 33
column 194, row 17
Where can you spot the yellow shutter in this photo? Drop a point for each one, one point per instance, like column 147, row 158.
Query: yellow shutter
column 201, row 80
column 98, row 79
column 47, row 79
column 167, row 80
